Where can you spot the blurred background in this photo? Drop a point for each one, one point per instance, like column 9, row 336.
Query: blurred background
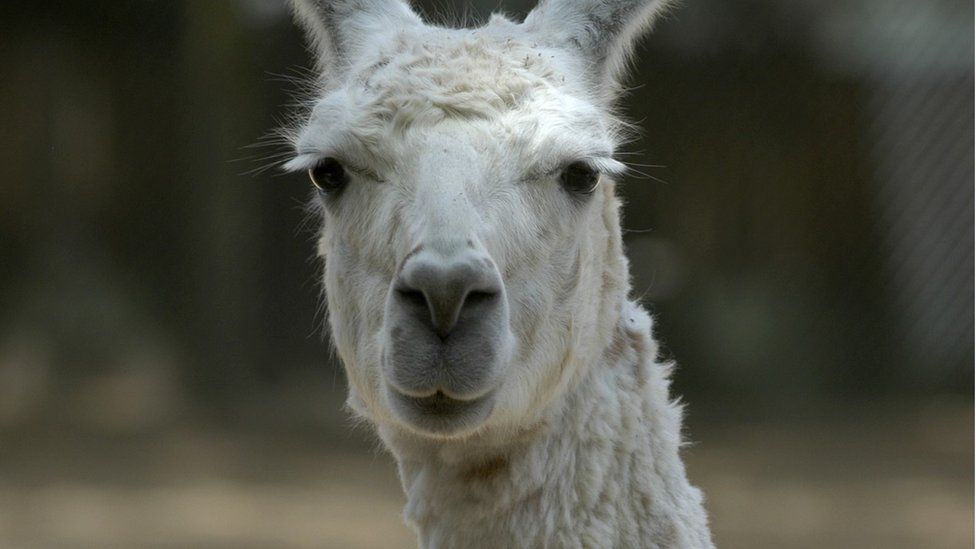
column 803, row 232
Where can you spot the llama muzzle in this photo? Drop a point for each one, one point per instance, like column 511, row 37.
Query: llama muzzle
column 446, row 338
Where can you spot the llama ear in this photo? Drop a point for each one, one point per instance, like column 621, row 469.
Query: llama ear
column 603, row 30
column 336, row 29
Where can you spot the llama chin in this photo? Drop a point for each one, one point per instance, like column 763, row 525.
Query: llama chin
column 476, row 281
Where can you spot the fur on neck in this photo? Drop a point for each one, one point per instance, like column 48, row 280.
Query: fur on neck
column 600, row 470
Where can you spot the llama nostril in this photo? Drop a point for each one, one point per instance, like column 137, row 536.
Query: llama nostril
column 479, row 297
column 413, row 298
column 445, row 292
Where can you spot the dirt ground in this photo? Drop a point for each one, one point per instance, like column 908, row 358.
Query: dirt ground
column 887, row 477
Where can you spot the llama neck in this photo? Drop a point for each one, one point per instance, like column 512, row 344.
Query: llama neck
column 602, row 470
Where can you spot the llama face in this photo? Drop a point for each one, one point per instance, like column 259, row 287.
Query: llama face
column 470, row 236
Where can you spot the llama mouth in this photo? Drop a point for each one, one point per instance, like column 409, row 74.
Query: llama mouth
column 439, row 414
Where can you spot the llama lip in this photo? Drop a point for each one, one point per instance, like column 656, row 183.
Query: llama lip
column 440, row 414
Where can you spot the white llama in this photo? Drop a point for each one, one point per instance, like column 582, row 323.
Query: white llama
column 476, row 282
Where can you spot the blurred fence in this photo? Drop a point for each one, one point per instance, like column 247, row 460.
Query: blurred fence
column 804, row 227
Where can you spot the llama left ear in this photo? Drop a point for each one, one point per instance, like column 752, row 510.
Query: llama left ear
column 337, row 29
column 604, row 31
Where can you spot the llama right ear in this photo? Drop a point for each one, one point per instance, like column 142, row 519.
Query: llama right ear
column 336, row 29
column 604, row 31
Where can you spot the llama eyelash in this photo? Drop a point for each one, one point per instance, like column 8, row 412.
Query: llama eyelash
column 603, row 165
column 307, row 161
column 301, row 162
column 607, row 166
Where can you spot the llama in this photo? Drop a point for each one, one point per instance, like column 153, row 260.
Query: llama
column 475, row 276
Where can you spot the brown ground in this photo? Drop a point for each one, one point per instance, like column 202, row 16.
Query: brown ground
column 891, row 477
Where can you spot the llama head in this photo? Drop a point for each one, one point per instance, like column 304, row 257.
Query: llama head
column 473, row 265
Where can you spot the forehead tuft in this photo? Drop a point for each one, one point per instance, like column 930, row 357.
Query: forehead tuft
column 446, row 73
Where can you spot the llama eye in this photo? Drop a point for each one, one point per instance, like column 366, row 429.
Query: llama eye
column 328, row 176
column 580, row 178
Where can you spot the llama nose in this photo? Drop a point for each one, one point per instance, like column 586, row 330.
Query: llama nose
column 447, row 290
